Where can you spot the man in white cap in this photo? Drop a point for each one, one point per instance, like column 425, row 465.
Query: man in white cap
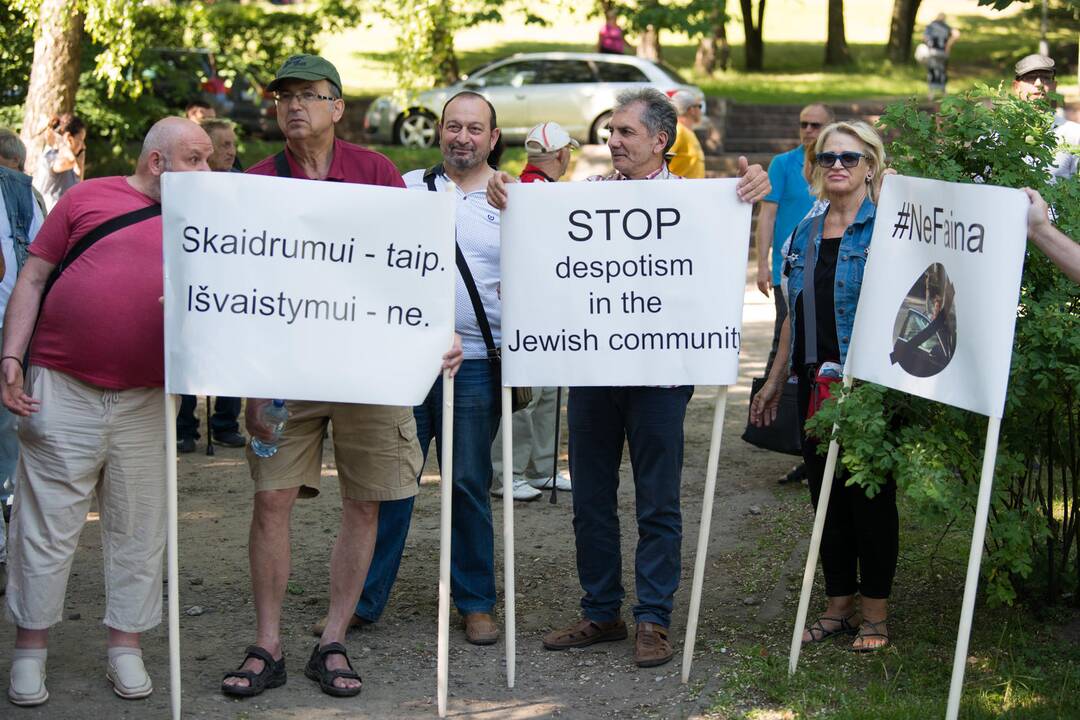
column 548, row 147
column 1034, row 79
column 688, row 159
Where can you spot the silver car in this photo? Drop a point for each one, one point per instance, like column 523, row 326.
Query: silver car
column 576, row 90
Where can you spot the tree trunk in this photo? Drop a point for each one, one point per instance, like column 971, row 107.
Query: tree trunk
column 442, row 45
column 754, row 46
column 836, row 47
column 54, row 75
column 725, row 48
column 705, row 59
column 708, row 56
column 649, row 44
column 901, row 31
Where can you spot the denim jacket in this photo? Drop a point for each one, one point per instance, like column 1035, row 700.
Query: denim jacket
column 19, row 204
column 850, row 263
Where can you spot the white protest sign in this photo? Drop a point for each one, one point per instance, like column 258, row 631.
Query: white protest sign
column 623, row 283
column 938, row 305
column 305, row 290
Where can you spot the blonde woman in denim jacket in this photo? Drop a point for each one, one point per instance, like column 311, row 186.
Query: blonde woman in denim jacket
column 860, row 542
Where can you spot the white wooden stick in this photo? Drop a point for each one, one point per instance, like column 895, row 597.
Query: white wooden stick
column 173, row 555
column 703, row 532
column 978, row 536
column 815, row 545
column 508, row 531
column 446, row 490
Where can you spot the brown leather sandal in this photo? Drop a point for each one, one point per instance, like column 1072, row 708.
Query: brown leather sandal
column 584, row 633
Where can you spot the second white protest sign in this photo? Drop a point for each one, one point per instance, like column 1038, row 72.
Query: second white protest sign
column 305, row 290
column 623, row 283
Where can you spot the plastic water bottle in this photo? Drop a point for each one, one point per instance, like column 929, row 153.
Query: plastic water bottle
column 275, row 414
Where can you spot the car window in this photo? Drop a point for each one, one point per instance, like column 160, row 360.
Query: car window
column 671, row 73
column 620, row 72
column 515, row 74
column 567, row 71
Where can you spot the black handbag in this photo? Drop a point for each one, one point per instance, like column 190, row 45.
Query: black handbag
column 783, row 435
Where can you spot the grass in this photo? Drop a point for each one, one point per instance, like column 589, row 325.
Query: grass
column 1020, row 665
column 990, row 42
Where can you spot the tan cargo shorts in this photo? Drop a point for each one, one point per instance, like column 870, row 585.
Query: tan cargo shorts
column 375, row 449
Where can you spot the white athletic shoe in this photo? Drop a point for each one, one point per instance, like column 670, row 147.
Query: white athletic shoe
column 562, row 483
column 522, row 489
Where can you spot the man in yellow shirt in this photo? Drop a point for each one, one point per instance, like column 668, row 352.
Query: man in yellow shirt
column 688, row 159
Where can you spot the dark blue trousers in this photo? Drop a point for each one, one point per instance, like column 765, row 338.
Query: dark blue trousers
column 651, row 420
column 472, row 537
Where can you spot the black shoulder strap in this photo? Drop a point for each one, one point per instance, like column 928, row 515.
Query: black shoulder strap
column 281, row 165
column 466, row 276
column 809, row 306
column 477, row 305
column 430, row 174
column 103, row 230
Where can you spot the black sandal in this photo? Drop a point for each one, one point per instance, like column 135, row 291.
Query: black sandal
column 874, row 633
column 819, row 632
column 316, row 670
column 271, row 676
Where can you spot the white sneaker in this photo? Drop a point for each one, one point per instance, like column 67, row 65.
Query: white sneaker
column 561, row 483
column 522, row 489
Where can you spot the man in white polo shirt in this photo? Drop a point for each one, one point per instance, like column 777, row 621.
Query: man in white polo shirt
column 469, row 139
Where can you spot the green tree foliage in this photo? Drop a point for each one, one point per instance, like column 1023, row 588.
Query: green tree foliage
column 935, row 451
column 123, row 58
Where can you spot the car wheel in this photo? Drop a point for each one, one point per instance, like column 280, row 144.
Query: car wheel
column 600, row 132
column 416, row 128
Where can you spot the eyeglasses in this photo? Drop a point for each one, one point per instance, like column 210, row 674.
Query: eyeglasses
column 810, row 125
column 1033, row 77
column 307, row 97
column 847, row 159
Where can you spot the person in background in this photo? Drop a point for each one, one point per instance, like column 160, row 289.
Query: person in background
column 225, row 422
column 611, row 35
column 62, row 161
column 781, row 210
column 21, row 216
column 1035, row 78
column 939, row 38
column 548, row 147
column 688, row 159
column 860, row 543
column 199, row 110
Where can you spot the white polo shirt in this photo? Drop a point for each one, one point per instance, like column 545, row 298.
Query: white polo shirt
column 478, row 238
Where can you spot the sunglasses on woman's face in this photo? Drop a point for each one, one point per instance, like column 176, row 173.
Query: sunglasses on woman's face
column 847, row 159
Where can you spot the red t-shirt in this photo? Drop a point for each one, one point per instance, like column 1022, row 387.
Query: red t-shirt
column 351, row 164
column 102, row 321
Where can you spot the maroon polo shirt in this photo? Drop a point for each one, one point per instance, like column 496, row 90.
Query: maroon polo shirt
column 351, row 164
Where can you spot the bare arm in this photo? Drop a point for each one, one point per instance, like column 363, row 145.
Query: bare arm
column 754, row 182
column 66, row 160
column 766, row 222
column 19, row 321
column 766, row 403
column 1062, row 251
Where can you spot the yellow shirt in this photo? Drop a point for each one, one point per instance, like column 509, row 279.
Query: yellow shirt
column 689, row 158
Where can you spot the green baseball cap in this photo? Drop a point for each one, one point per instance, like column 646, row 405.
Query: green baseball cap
column 306, row 67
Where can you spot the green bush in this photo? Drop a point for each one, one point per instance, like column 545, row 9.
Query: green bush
column 935, row 451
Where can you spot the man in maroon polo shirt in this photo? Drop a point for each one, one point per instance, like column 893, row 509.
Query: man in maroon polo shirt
column 375, row 446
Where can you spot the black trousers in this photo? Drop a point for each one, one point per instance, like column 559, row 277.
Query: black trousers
column 224, row 419
column 861, row 539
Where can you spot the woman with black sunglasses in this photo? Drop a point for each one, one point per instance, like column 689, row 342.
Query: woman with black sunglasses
column 824, row 269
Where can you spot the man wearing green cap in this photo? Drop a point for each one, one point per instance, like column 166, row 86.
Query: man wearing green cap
column 375, row 447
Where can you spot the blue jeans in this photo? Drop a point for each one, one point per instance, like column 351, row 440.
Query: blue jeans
column 651, row 418
column 472, row 546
